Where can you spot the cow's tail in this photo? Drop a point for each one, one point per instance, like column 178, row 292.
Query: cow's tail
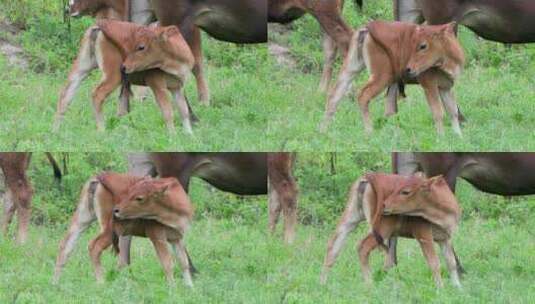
column 55, row 166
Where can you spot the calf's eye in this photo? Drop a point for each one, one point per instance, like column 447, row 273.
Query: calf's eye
column 140, row 47
column 405, row 192
column 422, row 46
column 139, row 199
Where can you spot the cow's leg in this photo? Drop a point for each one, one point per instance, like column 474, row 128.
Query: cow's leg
column 165, row 257
column 329, row 55
column 452, row 108
column 348, row 222
column 96, row 247
column 366, row 246
column 23, row 212
column 184, row 260
column 183, row 109
column 198, row 72
column 375, row 85
column 159, row 89
column 407, row 11
column 432, row 95
column 125, row 243
column 81, row 220
column 84, row 64
column 451, row 262
column 274, row 207
column 108, row 84
column 352, row 65
column 9, row 211
column 426, row 243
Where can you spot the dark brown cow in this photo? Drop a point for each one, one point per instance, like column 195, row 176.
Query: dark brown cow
column 503, row 173
column 328, row 13
column 511, row 21
column 18, row 196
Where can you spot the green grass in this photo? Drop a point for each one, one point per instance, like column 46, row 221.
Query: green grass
column 239, row 262
column 243, row 264
column 495, row 93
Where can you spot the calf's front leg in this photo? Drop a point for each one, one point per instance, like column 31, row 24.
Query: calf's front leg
column 451, row 262
column 452, row 108
column 183, row 259
column 432, row 95
column 184, row 110
column 426, row 243
column 329, row 55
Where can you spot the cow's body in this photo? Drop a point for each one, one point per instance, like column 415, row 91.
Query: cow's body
column 510, row 21
column 366, row 201
column 101, row 49
column 503, row 173
column 97, row 201
column 329, row 15
column 389, row 51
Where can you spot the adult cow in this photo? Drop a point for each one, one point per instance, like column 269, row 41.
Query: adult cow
column 328, row 13
column 18, row 196
column 240, row 173
column 503, row 173
column 511, row 21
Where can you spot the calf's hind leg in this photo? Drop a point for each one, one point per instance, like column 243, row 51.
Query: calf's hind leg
column 9, row 211
column 329, row 55
column 348, row 222
column 81, row 220
column 352, row 65
column 84, row 64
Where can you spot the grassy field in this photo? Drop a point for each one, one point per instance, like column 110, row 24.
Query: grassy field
column 239, row 262
column 495, row 92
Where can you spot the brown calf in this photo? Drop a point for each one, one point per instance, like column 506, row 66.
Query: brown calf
column 106, row 47
column 397, row 52
column 435, row 216
column 142, row 12
column 97, row 201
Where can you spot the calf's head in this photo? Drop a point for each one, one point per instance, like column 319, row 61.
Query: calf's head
column 430, row 198
column 164, row 48
column 163, row 200
column 435, row 46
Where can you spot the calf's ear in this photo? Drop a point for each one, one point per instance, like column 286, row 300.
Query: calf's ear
column 169, row 31
column 450, row 28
